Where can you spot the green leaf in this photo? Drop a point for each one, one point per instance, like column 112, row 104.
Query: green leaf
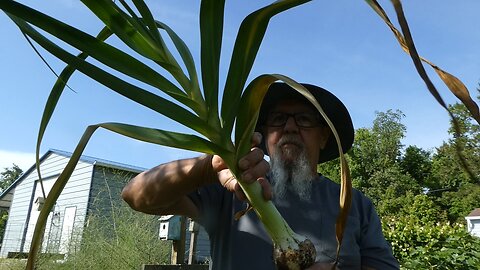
column 247, row 43
column 53, row 195
column 120, row 24
column 148, row 18
column 101, row 51
column 132, row 33
column 167, row 138
column 194, row 89
column 53, row 98
column 251, row 102
column 134, row 93
column 211, row 30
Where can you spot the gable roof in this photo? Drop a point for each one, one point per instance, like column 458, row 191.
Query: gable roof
column 7, row 195
column 474, row 213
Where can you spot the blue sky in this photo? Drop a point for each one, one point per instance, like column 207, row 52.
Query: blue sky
column 340, row 45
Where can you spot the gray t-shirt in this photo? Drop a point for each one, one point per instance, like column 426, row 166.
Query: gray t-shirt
column 244, row 244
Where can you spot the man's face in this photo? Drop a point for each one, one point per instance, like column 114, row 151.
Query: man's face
column 290, row 140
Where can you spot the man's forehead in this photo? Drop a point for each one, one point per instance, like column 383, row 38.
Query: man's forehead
column 293, row 105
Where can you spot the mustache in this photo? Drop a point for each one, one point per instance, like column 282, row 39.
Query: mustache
column 291, row 139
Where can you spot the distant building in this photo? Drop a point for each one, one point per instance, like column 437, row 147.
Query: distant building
column 84, row 194
column 93, row 189
column 473, row 222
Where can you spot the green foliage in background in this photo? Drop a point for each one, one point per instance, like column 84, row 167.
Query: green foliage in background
column 432, row 245
column 7, row 177
column 421, row 195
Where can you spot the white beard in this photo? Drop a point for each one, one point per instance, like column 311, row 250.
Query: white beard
column 296, row 175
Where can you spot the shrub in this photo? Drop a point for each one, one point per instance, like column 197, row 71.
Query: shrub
column 432, row 245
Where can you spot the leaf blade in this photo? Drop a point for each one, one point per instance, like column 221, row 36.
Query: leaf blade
column 211, row 30
column 102, row 52
column 194, row 89
column 134, row 93
column 247, row 43
column 406, row 42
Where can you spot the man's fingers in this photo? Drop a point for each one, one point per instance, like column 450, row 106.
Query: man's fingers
column 218, row 164
column 231, row 184
column 259, row 170
column 256, row 138
column 266, row 188
column 239, row 192
column 251, row 159
column 226, row 178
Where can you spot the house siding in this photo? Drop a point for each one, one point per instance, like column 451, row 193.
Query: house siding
column 105, row 193
column 20, row 224
column 475, row 227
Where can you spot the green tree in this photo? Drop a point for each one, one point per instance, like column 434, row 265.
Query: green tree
column 7, row 177
column 448, row 170
column 461, row 202
column 378, row 148
column 387, row 189
column 417, row 163
column 458, row 186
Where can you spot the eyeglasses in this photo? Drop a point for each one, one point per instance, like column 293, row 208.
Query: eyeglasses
column 304, row 120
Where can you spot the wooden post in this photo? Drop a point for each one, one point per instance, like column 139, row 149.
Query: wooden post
column 178, row 246
column 193, row 228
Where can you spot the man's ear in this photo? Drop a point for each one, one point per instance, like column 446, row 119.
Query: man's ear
column 325, row 134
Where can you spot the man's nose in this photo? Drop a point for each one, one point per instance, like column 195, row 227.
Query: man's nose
column 290, row 125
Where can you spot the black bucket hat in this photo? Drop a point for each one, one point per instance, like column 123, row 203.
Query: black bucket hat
column 333, row 107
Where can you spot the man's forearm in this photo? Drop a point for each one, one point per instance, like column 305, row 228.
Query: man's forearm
column 161, row 188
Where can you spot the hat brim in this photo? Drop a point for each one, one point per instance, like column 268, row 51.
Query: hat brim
column 333, row 107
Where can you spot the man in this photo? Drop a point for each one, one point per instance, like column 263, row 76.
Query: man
column 297, row 139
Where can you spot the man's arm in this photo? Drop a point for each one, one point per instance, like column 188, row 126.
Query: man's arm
column 163, row 190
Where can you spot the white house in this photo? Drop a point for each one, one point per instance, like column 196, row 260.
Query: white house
column 95, row 185
column 80, row 197
column 473, row 222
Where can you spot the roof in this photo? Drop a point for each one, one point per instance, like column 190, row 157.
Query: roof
column 474, row 213
column 7, row 195
column 98, row 161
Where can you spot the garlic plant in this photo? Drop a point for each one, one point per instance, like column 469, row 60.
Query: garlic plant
column 194, row 106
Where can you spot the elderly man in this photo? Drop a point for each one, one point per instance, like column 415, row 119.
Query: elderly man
column 297, row 139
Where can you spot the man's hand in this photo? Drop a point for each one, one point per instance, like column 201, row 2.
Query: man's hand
column 253, row 168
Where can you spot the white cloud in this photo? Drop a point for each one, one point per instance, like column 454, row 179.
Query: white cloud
column 22, row 159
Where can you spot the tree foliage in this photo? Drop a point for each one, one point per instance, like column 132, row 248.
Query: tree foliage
column 417, row 163
column 422, row 196
column 377, row 148
column 8, row 176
